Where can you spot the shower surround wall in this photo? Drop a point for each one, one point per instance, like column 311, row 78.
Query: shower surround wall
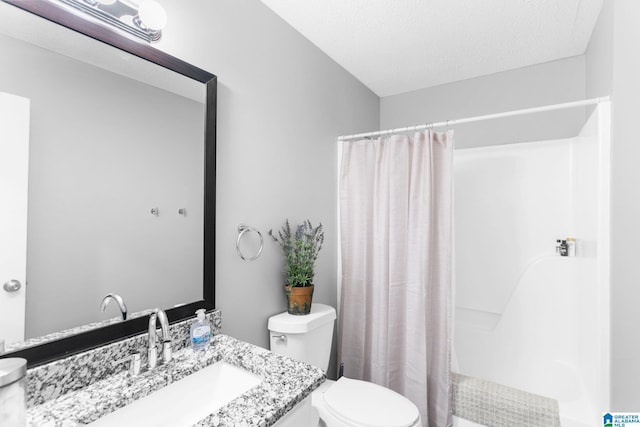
column 525, row 316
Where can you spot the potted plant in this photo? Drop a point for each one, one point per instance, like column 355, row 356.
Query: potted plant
column 300, row 251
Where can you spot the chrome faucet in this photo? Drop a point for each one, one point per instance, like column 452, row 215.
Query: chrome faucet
column 118, row 299
column 152, row 352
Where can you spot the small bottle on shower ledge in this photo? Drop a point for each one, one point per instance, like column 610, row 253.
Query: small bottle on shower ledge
column 561, row 247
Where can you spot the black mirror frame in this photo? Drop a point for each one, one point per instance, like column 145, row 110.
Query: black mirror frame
column 50, row 351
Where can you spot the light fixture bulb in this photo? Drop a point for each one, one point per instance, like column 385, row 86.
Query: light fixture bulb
column 152, row 15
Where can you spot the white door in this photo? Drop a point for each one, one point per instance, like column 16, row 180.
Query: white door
column 14, row 167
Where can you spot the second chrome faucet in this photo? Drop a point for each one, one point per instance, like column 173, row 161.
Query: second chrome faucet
column 118, row 299
column 159, row 315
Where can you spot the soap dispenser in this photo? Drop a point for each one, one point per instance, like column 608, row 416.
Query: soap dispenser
column 200, row 331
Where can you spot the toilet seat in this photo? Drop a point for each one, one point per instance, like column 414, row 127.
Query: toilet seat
column 364, row 404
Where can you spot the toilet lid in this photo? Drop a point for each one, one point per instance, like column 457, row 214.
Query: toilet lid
column 365, row 404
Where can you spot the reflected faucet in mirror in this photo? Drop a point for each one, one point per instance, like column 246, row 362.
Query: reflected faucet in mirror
column 118, row 299
column 152, row 351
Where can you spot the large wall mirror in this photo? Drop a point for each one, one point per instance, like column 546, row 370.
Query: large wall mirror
column 121, row 182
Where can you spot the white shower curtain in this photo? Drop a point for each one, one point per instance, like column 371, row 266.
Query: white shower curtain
column 395, row 226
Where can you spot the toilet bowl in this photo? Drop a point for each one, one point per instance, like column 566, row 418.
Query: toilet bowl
column 349, row 402
column 346, row 402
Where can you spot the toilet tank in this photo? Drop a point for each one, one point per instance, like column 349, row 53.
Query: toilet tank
column 306, row 338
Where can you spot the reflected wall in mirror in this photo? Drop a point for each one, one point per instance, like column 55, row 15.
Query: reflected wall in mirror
column 111, row 138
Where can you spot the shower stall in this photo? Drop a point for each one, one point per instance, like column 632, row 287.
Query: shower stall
column 526, row 316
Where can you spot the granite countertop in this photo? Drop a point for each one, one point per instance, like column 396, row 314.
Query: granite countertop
column 286, row 382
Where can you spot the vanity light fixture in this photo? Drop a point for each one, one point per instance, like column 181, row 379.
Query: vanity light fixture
column 144, row 19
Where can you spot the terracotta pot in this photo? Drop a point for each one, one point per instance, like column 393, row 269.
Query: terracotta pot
column 299, row 299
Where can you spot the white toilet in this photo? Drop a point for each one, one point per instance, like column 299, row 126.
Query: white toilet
column 345, row 402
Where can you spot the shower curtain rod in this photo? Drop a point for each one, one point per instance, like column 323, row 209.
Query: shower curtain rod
column 573, row 104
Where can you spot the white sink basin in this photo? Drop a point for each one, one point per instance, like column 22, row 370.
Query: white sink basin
column 185, row 402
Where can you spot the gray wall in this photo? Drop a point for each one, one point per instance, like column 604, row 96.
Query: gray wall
column 537, row 85
column 599, row 55
column 613, row 66
column 281, row 105
column 103, row 151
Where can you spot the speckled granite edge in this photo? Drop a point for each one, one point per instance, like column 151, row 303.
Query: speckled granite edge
column 286, row 382
column 69, row 332
column 57, row 378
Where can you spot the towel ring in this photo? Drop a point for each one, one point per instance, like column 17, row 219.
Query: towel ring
column 242, row 228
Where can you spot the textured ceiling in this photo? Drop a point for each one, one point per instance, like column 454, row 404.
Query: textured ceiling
column 396, row 46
